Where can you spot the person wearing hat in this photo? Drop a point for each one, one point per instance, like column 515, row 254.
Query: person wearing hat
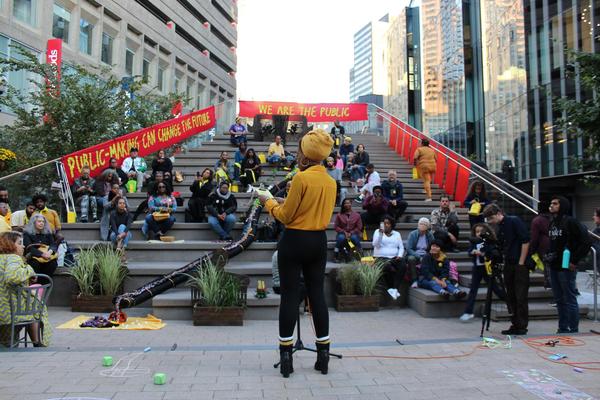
column 417, row 244
column 434, row 273
column 135, row 167
column 305, row 212
column 346, row 148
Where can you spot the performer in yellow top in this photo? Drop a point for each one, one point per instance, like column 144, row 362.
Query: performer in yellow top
column 306, row 212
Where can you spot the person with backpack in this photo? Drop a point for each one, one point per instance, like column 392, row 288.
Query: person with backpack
column 569, row 243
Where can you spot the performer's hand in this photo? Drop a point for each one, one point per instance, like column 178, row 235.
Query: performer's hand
column 263, row 199
column 280, row 200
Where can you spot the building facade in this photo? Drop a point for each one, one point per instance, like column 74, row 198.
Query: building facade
column 368, row 73
column 183, row 46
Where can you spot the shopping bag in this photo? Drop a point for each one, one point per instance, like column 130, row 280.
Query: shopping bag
column 415, row 173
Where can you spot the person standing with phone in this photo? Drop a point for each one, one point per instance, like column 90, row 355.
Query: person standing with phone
column 305, row 212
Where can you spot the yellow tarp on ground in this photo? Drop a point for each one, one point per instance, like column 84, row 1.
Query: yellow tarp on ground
column 148, row 323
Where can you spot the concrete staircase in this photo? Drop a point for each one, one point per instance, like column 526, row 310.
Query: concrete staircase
column 147, row 261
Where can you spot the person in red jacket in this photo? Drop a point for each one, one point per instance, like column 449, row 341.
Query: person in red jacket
column 348, row 226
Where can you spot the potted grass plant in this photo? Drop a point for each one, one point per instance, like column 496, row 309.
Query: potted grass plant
column 218, row 297
column 357, row 287
column 99, row 275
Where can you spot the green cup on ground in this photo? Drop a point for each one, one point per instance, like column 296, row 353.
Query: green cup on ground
column 107, row 361
column 160, row 378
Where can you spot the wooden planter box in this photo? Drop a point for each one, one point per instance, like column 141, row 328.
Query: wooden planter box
column 356, row 303
column 92, row 304
column 217, row 316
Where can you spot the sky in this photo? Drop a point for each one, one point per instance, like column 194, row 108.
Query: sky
column 301, row 50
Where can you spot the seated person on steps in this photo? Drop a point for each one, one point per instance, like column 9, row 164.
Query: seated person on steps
column 163, row 164
column 21, row 218
column 375, row 206
column 371, row 180
column 348, row 227
column 250, row 171
column 83, row 192
column 51, row 216
column 158, row 179
column 388, row 250
column 112, row 200
column 120, row 224
column 135, row 167
column 336, row 174
column 434, row 273
column 444, row 223
column 160, row 216
column 392, row 191
column 4, row 225
column 41, row 245
column 417, row 245
column 224, row 169
column 237, row 132
column 113, row 165
column 345, row 149
column 201, row 188
column 221, row 208
column 277, row 155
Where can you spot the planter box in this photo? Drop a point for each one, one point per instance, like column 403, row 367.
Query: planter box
column 357, row 303
column 217, row 316
column 92, row 304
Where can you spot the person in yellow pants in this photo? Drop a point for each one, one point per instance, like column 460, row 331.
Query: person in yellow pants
column 426, row 161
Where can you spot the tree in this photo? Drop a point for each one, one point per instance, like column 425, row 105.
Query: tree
column 582, row 118
column 89, row 107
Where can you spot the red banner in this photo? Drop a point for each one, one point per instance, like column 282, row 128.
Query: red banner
column 147, row 141
column 320, row 112
column 54, row 58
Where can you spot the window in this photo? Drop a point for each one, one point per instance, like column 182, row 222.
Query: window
column 176, row 84
column 107, row 49
column 129, row 57
column 146, row 69
column 26, row 11
column 60, row 23
column 20, row 80
column 85, row 36
column 160, row 76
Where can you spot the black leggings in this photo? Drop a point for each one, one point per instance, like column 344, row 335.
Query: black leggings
column 302, row 252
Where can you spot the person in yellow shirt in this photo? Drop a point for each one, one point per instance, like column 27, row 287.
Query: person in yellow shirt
column 4, row 226
column 40, row 200
column 4, row 199
column 276, row 153
column 305, row 212
column 426, row 162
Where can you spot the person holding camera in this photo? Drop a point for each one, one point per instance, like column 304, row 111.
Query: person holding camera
column 569, row 244
column 513, row 239
column 484, row 247
column 83, row 191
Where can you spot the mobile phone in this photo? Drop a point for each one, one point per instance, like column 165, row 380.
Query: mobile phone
column 381, row 226
column 198, row 174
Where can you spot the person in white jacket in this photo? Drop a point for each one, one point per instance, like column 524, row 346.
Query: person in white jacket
column 388, row 250
column 371, row 180
column 135, row 167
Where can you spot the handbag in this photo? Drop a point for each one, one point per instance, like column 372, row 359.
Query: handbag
column 415, row 173
column 44, row 248
column 159, row 216
column 262, row 158
column 475, row 208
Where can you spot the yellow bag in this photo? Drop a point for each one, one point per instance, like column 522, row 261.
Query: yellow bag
column 539, row 264
column 475, row 209
column 234, row 187
column 367, row 260
column 415, row 173
column 131, row 186
column 160, row 216
column 364, row 235
column 262, row 158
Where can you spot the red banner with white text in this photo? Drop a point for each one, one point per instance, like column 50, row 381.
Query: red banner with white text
column 314, row 112
column 148, row 140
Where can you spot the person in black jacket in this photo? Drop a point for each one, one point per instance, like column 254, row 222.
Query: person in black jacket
column 120, row 223
column 250, row 171
column 201, row 188
column 565, row 232
column 221, row 209
column 41, row 245
column 476, row 195
column 513, row 238
column 393, row 192
column 162, row 163
column 337, row 133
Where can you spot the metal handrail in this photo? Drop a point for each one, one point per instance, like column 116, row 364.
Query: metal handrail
column 465, row 167
column 461, row 157
column 595, row 263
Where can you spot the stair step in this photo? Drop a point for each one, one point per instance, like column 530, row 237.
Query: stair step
column 535, row 279
column 537, row 310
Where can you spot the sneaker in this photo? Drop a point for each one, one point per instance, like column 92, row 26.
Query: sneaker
column 444, row 293
column 466, row 317
column 428, row 199
column 394, row 293
column 514, row 331
column 249, row 189
column 552, row 304
column 459, row 294
column 414, row 285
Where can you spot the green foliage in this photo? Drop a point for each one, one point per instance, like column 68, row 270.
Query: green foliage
column 217, row 287
column 91, row 108
column 368, row 276
column 99, row 271
column 348, row 278
column 582, row 118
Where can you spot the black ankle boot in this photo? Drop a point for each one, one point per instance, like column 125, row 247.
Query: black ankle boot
column 286, row 366
column 322, row 363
